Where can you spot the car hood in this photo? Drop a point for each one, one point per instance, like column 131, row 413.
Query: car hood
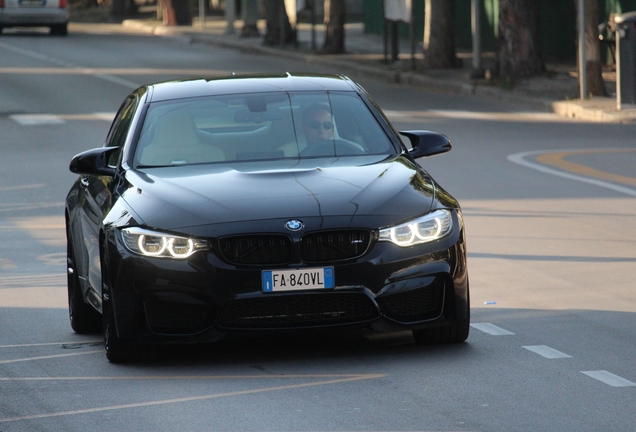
column 373, row 194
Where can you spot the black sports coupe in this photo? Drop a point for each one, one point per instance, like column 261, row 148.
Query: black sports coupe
column 261, row 203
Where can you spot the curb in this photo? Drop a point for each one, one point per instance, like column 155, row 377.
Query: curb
column 602, row 110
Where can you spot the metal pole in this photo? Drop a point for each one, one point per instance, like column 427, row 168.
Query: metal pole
column 313, row 25
column 412, row 39
column 230, row 16
column 617, row 36
column 582, row 59
column 202, row 13
column 478, row 71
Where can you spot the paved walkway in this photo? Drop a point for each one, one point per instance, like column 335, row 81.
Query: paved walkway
column 557, row 91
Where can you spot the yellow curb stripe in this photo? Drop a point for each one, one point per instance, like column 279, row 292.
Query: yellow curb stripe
column 557, row 160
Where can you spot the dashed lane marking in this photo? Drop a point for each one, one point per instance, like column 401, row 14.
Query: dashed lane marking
column 491, row 329
column 609, row 378
column 547, row 352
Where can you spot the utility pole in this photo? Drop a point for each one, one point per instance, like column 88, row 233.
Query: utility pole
column 582, row 59
column 478, row 70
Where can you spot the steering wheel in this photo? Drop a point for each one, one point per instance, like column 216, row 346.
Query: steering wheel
column 326, row 148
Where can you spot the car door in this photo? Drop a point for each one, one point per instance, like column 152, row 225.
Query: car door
column 97, row 192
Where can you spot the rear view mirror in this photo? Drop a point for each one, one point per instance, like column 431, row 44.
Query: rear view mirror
column 427, row 143
column 94, row 162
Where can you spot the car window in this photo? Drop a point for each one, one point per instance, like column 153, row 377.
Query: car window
column 120, row 127
column 264, row 126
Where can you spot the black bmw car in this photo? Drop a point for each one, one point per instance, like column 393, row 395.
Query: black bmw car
column 261, row 203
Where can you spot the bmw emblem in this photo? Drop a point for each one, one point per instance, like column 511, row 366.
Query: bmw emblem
column 294, row 225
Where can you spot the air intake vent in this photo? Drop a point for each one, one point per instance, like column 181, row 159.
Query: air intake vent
column 256, row 250
column 334, row 246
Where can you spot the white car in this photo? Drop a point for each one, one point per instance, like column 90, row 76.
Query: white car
column 35, row 13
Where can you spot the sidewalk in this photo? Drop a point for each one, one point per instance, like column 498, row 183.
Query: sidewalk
column 557, row 92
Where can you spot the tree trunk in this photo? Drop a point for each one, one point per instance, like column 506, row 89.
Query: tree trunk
column 593, row 67
column 123, row 8
column 518, row 53
column 176, row 12
column 274, row 12
column 334, row 23
column 249, row 12
column 439, row 34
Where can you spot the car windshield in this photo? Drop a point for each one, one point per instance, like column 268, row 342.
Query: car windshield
column 255, row 127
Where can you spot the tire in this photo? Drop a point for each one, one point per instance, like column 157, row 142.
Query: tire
column 84, row 318
column 454, row 333
column 59, row 30
column 117, row 350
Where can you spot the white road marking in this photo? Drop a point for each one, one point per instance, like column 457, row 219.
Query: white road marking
column 7, row 264
column 194, row 398
column 491, row 329
column 21, row 187
column 547, row 352
column 419, row 116
column 51, row 344
column 36, row 119
column 519, row 159
column 53, row 119
column 49, row 357
column 609, row 378
column 68, row 65
column 55, row 280
column 107, row 116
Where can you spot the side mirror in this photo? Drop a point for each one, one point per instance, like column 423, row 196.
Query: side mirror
column 427, row 143
column 94, row 162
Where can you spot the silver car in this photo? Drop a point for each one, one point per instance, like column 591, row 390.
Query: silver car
column 35, row 13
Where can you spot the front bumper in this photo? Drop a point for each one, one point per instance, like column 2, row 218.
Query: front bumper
column 204, row 298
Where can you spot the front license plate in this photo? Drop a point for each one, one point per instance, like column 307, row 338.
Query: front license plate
column 299, row 279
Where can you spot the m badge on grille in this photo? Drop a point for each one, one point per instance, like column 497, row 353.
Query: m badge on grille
column 294, row 225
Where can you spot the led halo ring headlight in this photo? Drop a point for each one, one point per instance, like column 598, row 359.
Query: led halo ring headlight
column 430, row 227
column 156, row 244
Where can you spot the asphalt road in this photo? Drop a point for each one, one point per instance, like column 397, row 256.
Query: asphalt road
column 551, row 217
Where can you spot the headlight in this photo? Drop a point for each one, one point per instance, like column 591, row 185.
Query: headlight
column 427, row 228
column 155, row 244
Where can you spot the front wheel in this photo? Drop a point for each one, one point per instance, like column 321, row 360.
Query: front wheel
column 454, row 333
column 117, row 350
column 59, row 30
column 84, row 318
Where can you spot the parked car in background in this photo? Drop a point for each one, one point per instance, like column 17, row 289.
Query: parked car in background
column 35, row 13
column 261, row 203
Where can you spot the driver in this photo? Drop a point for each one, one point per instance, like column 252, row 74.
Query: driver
column 317, row 123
